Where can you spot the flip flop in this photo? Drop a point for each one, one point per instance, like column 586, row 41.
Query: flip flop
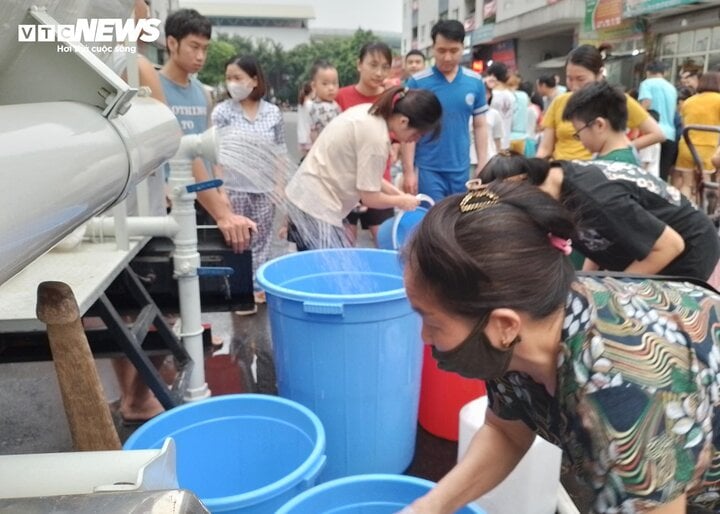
column 132, row 423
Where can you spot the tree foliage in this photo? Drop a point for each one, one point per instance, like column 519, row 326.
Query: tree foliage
column 219, row 53
column 285, row 70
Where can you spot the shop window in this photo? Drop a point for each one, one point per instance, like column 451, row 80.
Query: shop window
column 692, row 62
column 715, row 42
column 668, row 68
column 702, row 38
column 693, row 48
column 685, row 42
column 669, row 44
column 714, row 62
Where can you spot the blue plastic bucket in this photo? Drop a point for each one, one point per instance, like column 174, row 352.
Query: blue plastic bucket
column 393, row 233
column 364, row 494
column 238, row 453
column 347, row 346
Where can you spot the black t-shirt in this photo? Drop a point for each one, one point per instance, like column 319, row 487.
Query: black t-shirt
column 621, row 210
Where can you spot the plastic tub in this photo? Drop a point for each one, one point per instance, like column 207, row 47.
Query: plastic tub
column 533, row 486
column 364, row 494
column 442, row 395
column 394, row 232
column 244, row 454
column 346, row 345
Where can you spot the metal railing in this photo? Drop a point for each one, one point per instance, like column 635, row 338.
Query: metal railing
column 707, row 190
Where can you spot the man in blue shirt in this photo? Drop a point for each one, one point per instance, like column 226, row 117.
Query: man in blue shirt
column 658, row 94
column 443, row 163
column 188, row 37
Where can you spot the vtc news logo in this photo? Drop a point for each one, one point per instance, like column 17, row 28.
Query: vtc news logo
column 93, row 30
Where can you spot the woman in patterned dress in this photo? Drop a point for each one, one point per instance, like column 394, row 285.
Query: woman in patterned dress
column 257, row 128
column 622, row 373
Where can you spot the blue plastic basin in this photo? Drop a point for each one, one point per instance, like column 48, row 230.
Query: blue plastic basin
column 242, row 453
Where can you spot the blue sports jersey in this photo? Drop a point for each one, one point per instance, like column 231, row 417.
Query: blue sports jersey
column 460, row 99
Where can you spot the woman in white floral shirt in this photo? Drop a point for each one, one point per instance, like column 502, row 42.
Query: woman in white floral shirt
column 255, row 138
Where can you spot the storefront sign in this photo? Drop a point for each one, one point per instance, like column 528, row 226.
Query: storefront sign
column 603, row 14
column 483, row 34
column 629, row 29
column 504, row 52
column 639, row 7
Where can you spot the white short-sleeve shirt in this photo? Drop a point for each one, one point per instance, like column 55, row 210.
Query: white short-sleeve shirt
column 349, row 156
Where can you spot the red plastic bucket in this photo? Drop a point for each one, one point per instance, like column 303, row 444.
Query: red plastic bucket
column 442, row 395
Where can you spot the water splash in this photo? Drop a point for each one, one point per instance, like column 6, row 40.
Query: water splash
column 258, row 166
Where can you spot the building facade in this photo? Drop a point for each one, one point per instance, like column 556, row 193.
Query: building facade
column 284, row 24
column 534, row 36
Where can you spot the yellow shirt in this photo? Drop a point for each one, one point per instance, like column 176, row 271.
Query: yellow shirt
column 568, row 148
column 700, row 109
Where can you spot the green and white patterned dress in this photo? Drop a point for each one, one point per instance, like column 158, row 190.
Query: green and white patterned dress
column 636, row 408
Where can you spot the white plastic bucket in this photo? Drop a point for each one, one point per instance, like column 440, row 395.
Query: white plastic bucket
column 532, row 487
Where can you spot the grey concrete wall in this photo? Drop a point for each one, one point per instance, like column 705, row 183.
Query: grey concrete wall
column 532, row 51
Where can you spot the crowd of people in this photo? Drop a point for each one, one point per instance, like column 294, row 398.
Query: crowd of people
column 622, row 371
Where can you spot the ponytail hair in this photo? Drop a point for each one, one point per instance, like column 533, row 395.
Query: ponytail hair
column 304, row 92
column 469, row 261
column 420, row 106
column 508, row 164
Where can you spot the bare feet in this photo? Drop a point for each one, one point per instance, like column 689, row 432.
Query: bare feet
column 140, row 408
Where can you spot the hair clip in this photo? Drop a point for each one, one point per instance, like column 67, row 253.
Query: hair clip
column 474, row 184
column 563, row 245
column 399, row 96
column 478, row 197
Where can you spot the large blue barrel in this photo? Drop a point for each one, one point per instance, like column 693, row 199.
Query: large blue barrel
column 347, row 346
column 241, row 453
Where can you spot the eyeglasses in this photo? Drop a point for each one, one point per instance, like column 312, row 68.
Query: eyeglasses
column 576, row 135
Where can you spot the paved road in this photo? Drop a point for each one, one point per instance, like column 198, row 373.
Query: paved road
column 291, row 133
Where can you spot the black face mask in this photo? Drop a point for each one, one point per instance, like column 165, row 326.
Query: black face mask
column 475, row 357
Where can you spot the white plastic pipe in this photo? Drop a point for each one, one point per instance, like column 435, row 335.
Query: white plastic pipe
column 181, row 226
column 186, row 260
column 62, row 163
column 151, row 226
